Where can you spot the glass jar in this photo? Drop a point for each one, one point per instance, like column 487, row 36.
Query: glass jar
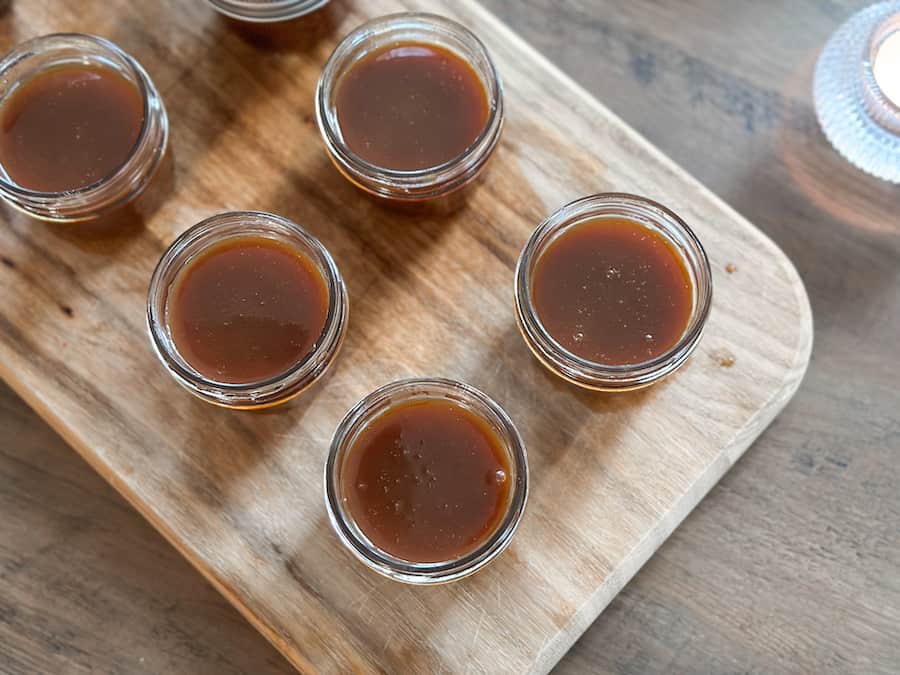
column 264, row 11
column 854, row 80
column 423, row 184
column 599, row 376
column 367, row 411
column 214, row 231
column 36, row 56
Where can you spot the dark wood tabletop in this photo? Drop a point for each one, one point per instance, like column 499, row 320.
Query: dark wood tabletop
column 791, row 564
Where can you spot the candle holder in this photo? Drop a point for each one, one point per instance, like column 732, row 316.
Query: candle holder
column 857, row 90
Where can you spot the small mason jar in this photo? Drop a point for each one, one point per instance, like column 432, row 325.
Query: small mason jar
column 211, row 232
column 422, row 184
column 612, row 377
column 37, row 56
column 265, row 11
column 365, row 413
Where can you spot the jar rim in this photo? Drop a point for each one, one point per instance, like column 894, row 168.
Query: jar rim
column 281, row 386
column 429, row 181
column 269, row 12
column 22, row 51
column 601, row 376
column 372, row 407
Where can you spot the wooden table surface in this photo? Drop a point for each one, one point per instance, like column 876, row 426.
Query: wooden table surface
column 791, row 564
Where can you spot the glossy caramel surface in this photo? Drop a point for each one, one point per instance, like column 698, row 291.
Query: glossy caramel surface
column 612, row 291
column 411, row 106
column 69, row 127
column 247, row 309
column 427, row 481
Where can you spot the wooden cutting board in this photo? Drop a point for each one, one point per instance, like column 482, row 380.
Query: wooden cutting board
column 240, row 494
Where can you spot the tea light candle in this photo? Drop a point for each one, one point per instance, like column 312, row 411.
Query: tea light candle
column 857, row 90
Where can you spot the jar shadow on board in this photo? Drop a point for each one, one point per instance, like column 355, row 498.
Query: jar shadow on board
column 300, row 34
column 554, row 413
column 229, row 446
column 106, row 233
column 240, row 98
column 132, row 128
column 407, row 153
column 379, row 246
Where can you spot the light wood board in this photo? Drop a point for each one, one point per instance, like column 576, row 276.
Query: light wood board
column 239, row 494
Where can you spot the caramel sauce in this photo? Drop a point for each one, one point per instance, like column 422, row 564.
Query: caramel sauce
column 427, row 481
column 247, row 309
column 612, row 291
column 407, row 107
column 69, row 127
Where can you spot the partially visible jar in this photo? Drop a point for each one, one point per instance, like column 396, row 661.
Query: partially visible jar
column 204, row 237
column 398, row 30
column 265, row 11
column 614, row 376
column 41, row 55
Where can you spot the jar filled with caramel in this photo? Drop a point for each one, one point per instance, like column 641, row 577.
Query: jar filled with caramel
column 410, row 106
column 82, row 127
column 246, row 310
column 612, row 292
column 426, row 480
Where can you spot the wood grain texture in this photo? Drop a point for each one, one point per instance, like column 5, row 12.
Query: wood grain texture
column 89, row 587
column 255, row 523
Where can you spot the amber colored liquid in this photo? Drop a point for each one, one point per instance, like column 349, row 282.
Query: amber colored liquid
column 247, row 309
column 411, row 106
column 427, row 481
column 612, row 291
column 69, row 127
